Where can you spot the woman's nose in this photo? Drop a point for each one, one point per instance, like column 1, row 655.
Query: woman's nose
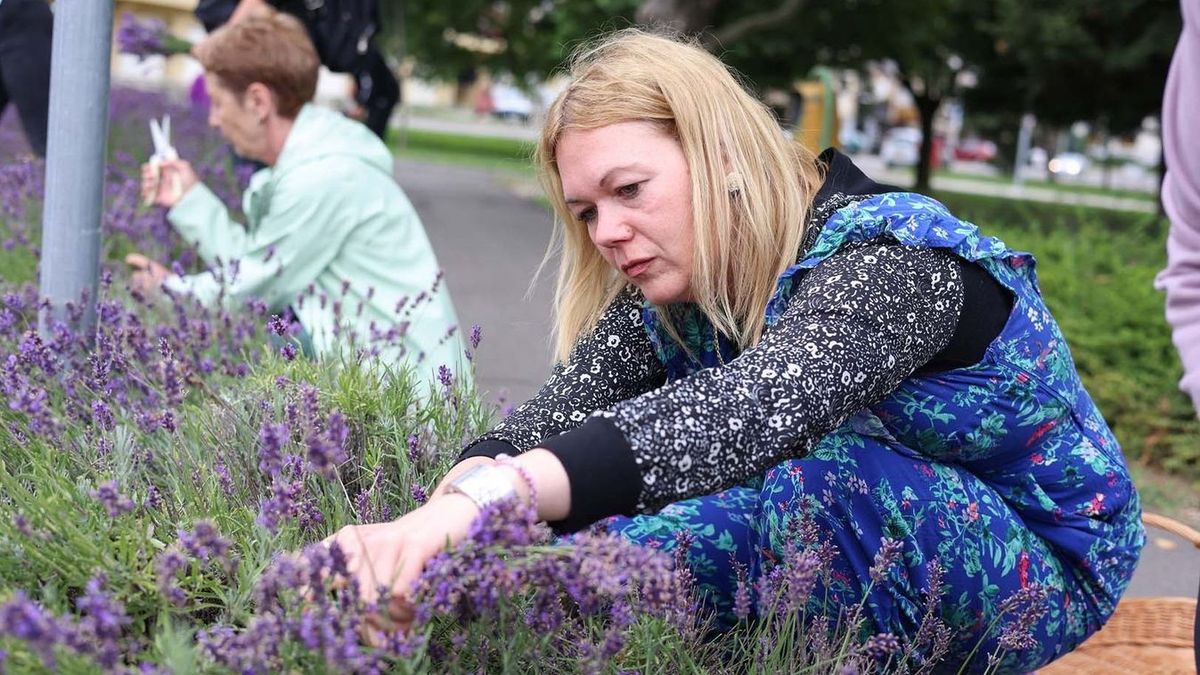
column 611, row 228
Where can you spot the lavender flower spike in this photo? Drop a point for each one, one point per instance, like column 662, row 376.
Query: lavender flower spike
column 140, row 37
column 109, row 494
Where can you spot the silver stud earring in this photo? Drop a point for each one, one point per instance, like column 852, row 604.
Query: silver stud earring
column 733, row 183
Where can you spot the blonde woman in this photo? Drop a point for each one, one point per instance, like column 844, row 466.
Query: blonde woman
column 749, row 335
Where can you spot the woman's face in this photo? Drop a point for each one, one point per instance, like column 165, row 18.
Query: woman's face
column 629, row 184
column 237, row 118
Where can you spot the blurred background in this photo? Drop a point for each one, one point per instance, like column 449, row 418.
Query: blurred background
column 1063, row 94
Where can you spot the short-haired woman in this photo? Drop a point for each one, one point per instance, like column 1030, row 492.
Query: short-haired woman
column 329, row 231
column 749, row 335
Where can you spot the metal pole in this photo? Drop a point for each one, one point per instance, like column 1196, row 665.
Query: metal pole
column 75, row 152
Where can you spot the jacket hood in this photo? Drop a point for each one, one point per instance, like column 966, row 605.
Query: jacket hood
column 320, row 133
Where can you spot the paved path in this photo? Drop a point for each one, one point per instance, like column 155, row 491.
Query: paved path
column 490, row 240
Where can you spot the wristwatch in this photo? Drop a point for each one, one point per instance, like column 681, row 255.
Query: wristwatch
column 484, row 484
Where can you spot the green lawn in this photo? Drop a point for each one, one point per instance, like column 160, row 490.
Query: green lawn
column 482, row 151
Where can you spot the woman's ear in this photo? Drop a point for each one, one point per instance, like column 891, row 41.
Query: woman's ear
column 260, row 99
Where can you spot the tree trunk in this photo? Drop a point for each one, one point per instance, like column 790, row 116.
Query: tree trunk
column 927, row 107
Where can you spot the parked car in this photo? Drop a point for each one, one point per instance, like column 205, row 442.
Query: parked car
column 509, row 102
column 852, row 140
column 901, row 146
column 975, row 150
column 1068, row 164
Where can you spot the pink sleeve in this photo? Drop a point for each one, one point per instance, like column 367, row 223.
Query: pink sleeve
column 1181, row 198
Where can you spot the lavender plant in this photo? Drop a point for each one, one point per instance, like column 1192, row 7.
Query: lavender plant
column 144, row 37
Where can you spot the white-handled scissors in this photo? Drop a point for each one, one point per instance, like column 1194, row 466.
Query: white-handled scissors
column 160, row 134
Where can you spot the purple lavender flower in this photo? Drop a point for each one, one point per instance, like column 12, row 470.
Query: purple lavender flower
column 166, row 421
column 414, row 449
column 109, row 495
column 104, row 617
column 204, row 542
column 271, row 440
column 741, row 595
column 21, row 523
column 475, row 336
column 140, row 37
column 102, row 415
column 880, row 646
column 288, row 352
column 153, row 499
column 418, row 493
column 445, row 376
column 29, row 622
column 277, row 325
column 785, row 588
column 887, row 555
column 310, row 515
column 281, row 505
column 224, row 479
column 1029, row 604
column 327, row 447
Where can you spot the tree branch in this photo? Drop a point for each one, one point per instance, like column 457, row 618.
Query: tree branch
column 738, row 29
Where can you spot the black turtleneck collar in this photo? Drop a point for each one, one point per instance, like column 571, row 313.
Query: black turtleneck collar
column 843, row 177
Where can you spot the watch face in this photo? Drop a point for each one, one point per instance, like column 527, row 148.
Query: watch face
column 485, row 485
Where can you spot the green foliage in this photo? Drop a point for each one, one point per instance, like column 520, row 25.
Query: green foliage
column 1034, row 64
column 1096, row 270
column 69, row 537
column 491, row 152
column 536, row 35
column 18, row 264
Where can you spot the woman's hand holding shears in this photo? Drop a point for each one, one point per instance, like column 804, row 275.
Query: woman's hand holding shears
column 165, row 178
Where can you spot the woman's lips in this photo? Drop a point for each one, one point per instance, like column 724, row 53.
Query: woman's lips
column 635, row 268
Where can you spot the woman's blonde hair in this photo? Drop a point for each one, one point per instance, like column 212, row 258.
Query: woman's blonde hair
column 751, row 185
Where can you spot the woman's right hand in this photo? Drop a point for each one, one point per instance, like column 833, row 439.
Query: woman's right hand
column 166, row 181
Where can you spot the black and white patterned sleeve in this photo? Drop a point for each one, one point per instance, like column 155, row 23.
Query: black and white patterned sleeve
column 857, row 325
column 612, row 363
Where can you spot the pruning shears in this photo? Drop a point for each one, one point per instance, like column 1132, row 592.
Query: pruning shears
column 160, row 134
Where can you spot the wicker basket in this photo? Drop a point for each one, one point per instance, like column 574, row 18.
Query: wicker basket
column 1144, row 635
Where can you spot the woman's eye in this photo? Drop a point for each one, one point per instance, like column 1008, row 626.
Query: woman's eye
column 630, row 190
column 586, row 216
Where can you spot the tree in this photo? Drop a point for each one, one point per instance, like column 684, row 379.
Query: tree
column 537, row 35
column 533, row 36
column 1103, row 61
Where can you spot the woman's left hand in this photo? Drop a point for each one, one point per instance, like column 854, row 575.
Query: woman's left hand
column 393, row 555
column 148, row 275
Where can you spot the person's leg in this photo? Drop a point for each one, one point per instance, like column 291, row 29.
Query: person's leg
column 25, row 55
column 720, row 531
column 378, row 91
column 858, row 490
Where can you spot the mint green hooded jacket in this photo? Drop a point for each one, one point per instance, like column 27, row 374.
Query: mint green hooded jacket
column 329, row 234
